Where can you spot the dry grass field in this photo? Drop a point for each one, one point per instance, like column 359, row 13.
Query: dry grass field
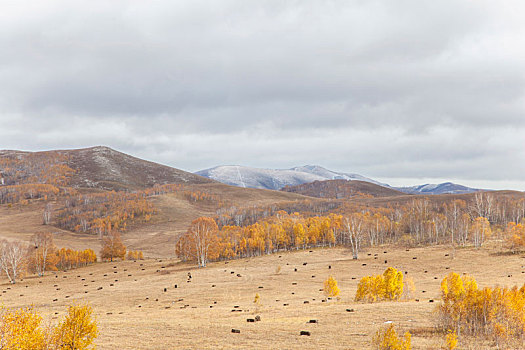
column 138, row 306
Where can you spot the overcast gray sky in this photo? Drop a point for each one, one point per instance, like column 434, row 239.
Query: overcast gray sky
column 403, row 91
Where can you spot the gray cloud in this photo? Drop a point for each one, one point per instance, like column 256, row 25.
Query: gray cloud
column 403, row 90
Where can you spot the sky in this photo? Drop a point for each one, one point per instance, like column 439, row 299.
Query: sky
column 406, row 92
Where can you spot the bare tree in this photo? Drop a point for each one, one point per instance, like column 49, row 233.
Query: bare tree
column 46, row 216
column 12, row 259
column 354, row 226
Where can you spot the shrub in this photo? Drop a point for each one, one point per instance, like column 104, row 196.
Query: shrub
column 386, row 338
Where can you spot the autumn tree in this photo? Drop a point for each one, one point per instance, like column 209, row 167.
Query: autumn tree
column 516, row 235
column 41, row 253
column 480, row 231
column 388, row 286
column 12, row 259
column 112, row 247
column 330, row 287
column 78, row 330
column 199, row 243
column 21, row 329
column 386, row 338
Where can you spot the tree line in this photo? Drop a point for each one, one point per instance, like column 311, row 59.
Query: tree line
column 41, row 255
column 416, row 223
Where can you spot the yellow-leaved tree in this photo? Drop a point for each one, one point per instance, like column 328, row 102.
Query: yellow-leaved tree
column 451, row 340
column 23, row 329
column 386, row 338
column 388, row 286
column 78, row 330
column 330, row 287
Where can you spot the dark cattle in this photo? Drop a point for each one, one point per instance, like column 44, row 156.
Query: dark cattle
column 349, row 310
column 236, row 330
column 312, row 321
column 305, row 333
column 250, row 320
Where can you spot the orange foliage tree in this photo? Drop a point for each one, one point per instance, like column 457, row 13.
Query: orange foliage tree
column 112, row 247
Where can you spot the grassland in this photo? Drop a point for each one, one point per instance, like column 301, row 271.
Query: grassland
column 134, row 311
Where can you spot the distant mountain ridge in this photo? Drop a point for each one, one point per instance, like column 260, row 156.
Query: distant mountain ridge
column 442, row 188
column 276, row 179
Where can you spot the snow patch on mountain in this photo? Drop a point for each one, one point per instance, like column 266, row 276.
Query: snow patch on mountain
column 275, row 179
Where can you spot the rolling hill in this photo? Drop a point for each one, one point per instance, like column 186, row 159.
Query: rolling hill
column 342, row 189
column 102, row 167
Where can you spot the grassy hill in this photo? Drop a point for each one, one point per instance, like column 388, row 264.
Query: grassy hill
column 342, row 189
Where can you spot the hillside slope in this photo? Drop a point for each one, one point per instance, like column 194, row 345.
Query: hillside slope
column 100, row 167
column 340, row 189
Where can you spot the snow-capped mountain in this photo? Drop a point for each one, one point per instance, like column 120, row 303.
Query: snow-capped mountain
column 275, row 179
column 443, row 188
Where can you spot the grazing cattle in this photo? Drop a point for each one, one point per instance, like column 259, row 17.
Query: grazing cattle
column 312, row 321
column 236, row 330
column 349, row 310
column 257, row 318
column 250, row 320
column 305, row 333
